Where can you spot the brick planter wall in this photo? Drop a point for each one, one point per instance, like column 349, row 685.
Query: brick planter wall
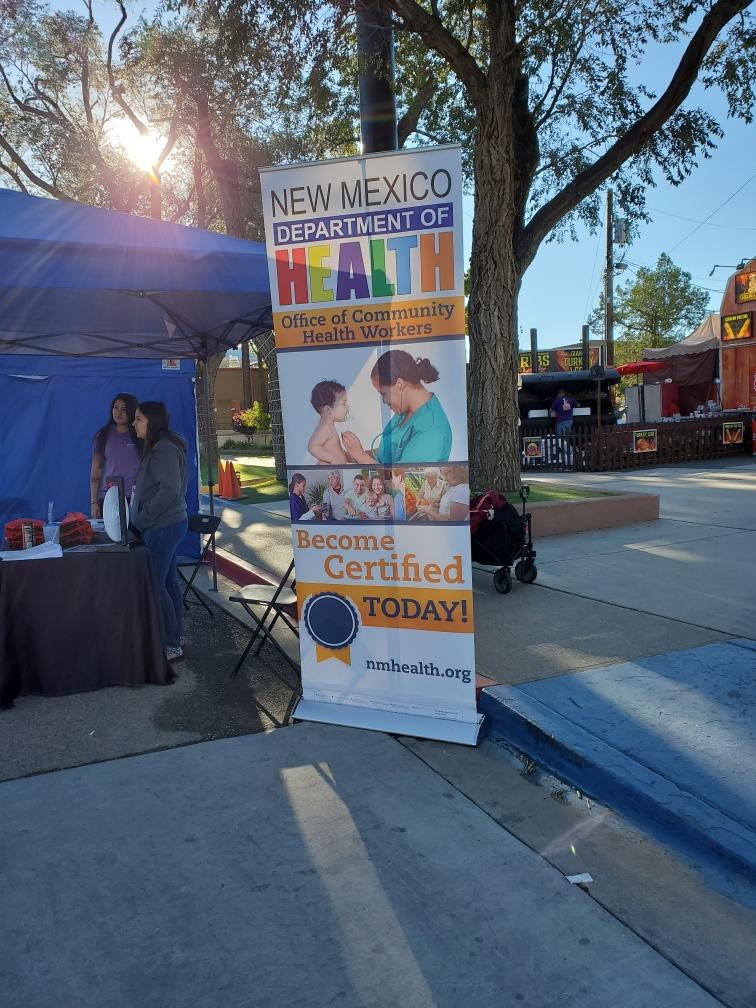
column 552, row 518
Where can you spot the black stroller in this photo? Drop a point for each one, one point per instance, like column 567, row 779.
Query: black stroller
column 502, row 536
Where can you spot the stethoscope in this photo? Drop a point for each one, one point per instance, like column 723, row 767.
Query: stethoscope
column 396, row 454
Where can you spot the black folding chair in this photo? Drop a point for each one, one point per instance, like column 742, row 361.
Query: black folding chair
column 206, row 526
column 276, row 599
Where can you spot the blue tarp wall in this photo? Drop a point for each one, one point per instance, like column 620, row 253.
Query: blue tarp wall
column 51, row 408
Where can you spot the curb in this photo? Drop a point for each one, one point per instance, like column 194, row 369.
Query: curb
column 614, row 779
column 239, row 571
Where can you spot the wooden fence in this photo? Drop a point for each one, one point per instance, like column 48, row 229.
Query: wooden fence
column 589, row 448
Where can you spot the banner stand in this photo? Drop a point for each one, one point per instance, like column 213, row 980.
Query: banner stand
column 367, row 283
column 395, row 723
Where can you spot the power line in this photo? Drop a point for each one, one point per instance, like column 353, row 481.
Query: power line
column 707, row 219
column 593, row 273
column 635, row 266
column 694, row 220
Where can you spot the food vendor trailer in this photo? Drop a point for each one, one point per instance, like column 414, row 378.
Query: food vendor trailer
column 538, row 391
column 738, row 346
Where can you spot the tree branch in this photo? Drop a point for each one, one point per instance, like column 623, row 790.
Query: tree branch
column 115, row 87
column 85, row 95
column 14, row 175
column 25, row 107
column 199, row 188
column 32, row 175
column 551, row 164
column 438, row 38
column 47, row 99
column 545, row 116
column 170, row 140
column 636, row 137
column 408, row 123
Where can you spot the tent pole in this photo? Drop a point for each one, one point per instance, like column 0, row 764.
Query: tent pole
column 209, row 456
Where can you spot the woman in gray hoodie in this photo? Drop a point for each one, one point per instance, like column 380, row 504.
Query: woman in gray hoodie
column 158, row 510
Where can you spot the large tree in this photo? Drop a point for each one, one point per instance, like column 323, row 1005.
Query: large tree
column 551, row 102
column 560, row 107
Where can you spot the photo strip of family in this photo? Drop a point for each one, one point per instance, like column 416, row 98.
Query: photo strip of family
column 421, row 494
column 373, row 406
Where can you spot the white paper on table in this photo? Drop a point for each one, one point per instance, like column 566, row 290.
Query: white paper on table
column 45, row 551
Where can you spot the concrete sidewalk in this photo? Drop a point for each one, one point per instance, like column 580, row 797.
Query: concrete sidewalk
column 611, row 601
column 311, row 866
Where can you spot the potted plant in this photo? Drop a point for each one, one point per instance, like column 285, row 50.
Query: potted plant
column 314, row 495
column 250, row 420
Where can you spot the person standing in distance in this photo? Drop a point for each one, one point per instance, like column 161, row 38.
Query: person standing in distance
column 159, row 512
column 561, row 410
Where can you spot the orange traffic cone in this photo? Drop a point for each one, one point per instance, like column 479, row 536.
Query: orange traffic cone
column 222, row 481
column 233, row 486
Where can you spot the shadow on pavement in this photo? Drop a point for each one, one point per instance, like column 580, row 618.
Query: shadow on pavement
column 41, row 734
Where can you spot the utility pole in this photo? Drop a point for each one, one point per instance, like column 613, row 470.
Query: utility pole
column 375, row 63
column 609, row 283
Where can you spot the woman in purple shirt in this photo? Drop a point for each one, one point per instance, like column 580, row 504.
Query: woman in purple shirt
column 116, row 451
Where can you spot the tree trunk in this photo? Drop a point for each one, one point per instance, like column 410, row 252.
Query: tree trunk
column 266, row 348
column 202, row 419
column 246, row 376
column 493, row 412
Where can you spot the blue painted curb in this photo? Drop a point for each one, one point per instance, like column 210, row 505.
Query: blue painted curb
column 618, row 781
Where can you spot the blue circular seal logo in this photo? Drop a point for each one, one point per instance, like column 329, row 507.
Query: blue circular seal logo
column 331, row 620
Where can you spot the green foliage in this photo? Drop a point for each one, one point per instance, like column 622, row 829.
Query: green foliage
column 659, row 307
column 314, row 494
column 250, row 420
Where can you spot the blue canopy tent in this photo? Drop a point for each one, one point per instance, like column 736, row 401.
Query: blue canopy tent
column 76, row 281
column 51, row 408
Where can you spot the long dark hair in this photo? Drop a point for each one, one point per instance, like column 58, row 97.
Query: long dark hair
column 296, row 478
column 158, row 426
column 130, row 402
column 395, row 364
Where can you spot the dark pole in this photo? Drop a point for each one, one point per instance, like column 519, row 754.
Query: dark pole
column 598, row 403
column 375, row 61
column 586, row 348
column 609, row 282
column 209, row 454
column 534, row 369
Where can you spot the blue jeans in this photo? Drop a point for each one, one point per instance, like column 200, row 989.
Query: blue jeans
column 563, row 427
column 163, row 544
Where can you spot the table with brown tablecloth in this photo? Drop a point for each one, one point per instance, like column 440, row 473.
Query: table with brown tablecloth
column 79, row 622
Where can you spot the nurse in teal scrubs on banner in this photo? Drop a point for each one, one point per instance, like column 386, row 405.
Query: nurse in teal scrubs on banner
column 419, row 431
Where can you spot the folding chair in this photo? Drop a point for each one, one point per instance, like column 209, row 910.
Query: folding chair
column 276, row 599
column 205, row 525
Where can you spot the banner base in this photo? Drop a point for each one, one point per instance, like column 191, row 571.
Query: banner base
column 375, row 719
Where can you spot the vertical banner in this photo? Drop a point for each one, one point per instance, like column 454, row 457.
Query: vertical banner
column 366, row 274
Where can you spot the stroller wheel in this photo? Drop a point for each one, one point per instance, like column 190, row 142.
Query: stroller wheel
column 526, row 571
column 503, row 581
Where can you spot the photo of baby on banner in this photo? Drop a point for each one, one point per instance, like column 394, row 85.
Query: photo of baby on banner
column 421, row 494
column 369, row 406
